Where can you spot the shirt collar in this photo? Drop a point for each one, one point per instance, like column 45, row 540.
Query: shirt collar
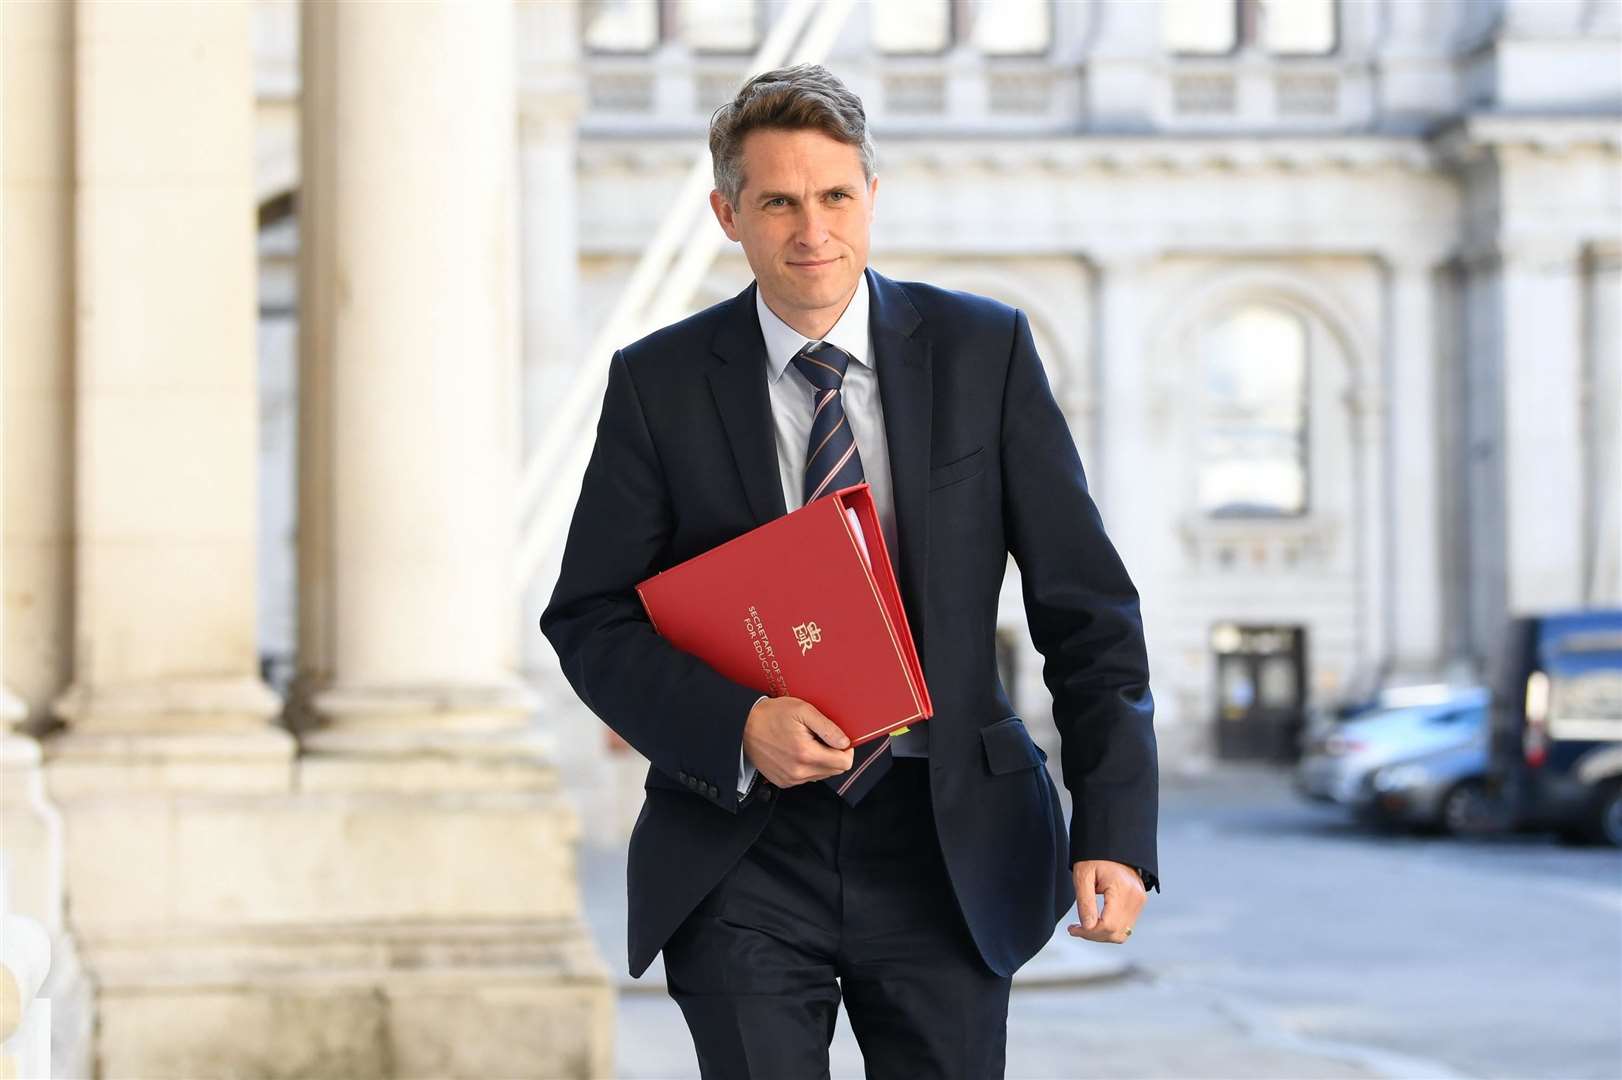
column 783, row 341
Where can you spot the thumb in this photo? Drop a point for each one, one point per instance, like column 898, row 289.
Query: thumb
column 1086, row 899
column 824, row 728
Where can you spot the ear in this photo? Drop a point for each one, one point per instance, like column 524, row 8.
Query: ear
column 724, row 214
column 872, row 195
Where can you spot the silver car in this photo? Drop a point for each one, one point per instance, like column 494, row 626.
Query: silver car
column 1338, row 763
column 1445, row 789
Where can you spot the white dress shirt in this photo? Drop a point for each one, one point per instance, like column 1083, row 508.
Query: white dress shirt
column 792, row 405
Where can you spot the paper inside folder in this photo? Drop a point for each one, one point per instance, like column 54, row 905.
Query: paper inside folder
column 861, row 540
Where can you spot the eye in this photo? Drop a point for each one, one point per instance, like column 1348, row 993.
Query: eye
column 775, row 200
column 839, row 195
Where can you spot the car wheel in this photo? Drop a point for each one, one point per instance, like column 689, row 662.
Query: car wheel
column 1608, row 814
column 1466, row 810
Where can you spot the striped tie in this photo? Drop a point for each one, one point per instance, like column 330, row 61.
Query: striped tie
column 831, row 463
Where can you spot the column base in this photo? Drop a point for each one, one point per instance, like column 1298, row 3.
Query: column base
column 247, row 906
column 425, row 1000
column 231, row 704
column 385, row 712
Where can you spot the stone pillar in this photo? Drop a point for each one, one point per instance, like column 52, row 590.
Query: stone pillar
column 1123, row 64
column 36, row 446
column 1413, row 537
column 1603, row 429
column 1370, row 425
column 551, row 98
column 166, row 395
column 1135, row 456
column 36, row 73
column 410, row 371
column 1540, row 308
column 437, row 827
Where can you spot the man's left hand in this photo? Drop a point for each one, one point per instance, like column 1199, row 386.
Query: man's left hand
column 1123, row 895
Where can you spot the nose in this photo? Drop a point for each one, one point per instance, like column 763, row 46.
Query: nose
column 812, row 233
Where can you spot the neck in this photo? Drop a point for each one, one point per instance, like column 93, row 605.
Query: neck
column 812, row 324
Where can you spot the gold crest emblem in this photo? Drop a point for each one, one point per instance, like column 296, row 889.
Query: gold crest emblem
column 807, row 634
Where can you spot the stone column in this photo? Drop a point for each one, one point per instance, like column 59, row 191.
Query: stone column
column 1126, row 399
column 1413, row 537
column 1603, row 429
column 410, row 372
column 1540, row 308
column 1370, row 426
column 1121, row 69
column 434, row 821
column 36, row 74
column 1135, row 421
column 36, row 554
column 166, row 395
column 551, row 98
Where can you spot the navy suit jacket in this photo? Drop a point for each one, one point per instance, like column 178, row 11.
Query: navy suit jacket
column 983, row 465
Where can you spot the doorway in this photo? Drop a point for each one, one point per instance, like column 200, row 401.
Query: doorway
column 1260, row 691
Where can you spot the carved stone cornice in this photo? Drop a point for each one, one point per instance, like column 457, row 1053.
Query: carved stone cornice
column 1474, row 137
column 1071, row 153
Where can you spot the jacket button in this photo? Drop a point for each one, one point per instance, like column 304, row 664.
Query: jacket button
column 714, row 791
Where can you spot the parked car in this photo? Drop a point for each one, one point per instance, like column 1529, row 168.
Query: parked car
column 1337, row 764
column 1556, row 746
column 1443, row 788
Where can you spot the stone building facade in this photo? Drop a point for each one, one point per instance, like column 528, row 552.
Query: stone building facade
column 1330, row 290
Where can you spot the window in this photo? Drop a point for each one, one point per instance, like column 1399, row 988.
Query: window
column 1012, row 27
column 912, row 26
column 621, row 25
column 640, row 25
column 1218, row 27
column 994, row 27
column 1252, row 442
column 718, row 25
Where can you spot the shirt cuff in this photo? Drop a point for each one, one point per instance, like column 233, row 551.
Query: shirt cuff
column 746, row 771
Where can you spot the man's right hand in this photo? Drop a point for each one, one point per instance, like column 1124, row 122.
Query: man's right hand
column 790, row 742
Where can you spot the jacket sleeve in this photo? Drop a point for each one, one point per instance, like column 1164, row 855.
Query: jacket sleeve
column 1083, row 613
column 677, row 711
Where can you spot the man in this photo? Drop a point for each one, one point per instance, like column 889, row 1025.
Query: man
column 778, row 868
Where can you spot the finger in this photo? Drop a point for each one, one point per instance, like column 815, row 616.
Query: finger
column 1086, row 899
column 833, row 762
column 1111, row 897
column 824, row 729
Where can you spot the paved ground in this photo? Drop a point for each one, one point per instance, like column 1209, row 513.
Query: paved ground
column 1288, row 942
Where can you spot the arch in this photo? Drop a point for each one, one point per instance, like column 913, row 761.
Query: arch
column 1178, row 315
column 1231, row 287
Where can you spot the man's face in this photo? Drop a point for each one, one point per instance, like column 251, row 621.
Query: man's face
column 802, row 217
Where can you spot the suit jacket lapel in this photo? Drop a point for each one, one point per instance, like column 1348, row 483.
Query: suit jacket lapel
column 905, row 390
column 739, row 386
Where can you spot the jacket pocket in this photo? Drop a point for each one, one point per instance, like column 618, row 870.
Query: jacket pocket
column 1009, row 747
column 970, row 464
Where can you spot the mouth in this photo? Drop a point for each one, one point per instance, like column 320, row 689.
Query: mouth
column 813, row 265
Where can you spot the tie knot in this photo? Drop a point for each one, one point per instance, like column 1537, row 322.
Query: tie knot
column 822, row 363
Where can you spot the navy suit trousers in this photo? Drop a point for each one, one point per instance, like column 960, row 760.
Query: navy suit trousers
column 836, row 900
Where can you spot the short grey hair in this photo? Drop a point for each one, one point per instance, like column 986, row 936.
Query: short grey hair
column 786, row 99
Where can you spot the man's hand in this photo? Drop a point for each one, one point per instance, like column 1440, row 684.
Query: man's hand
column 790, row 742
column 1123, row 894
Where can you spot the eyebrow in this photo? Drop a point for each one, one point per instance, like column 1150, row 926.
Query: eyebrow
column 765, row 195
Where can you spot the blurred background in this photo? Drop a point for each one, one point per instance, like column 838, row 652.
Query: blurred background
column 307, row 312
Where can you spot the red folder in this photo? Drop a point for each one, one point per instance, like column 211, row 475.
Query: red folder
column 804, row 605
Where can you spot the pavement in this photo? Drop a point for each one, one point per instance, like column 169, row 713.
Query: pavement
column 1290, row 942
column 1079, row 1009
